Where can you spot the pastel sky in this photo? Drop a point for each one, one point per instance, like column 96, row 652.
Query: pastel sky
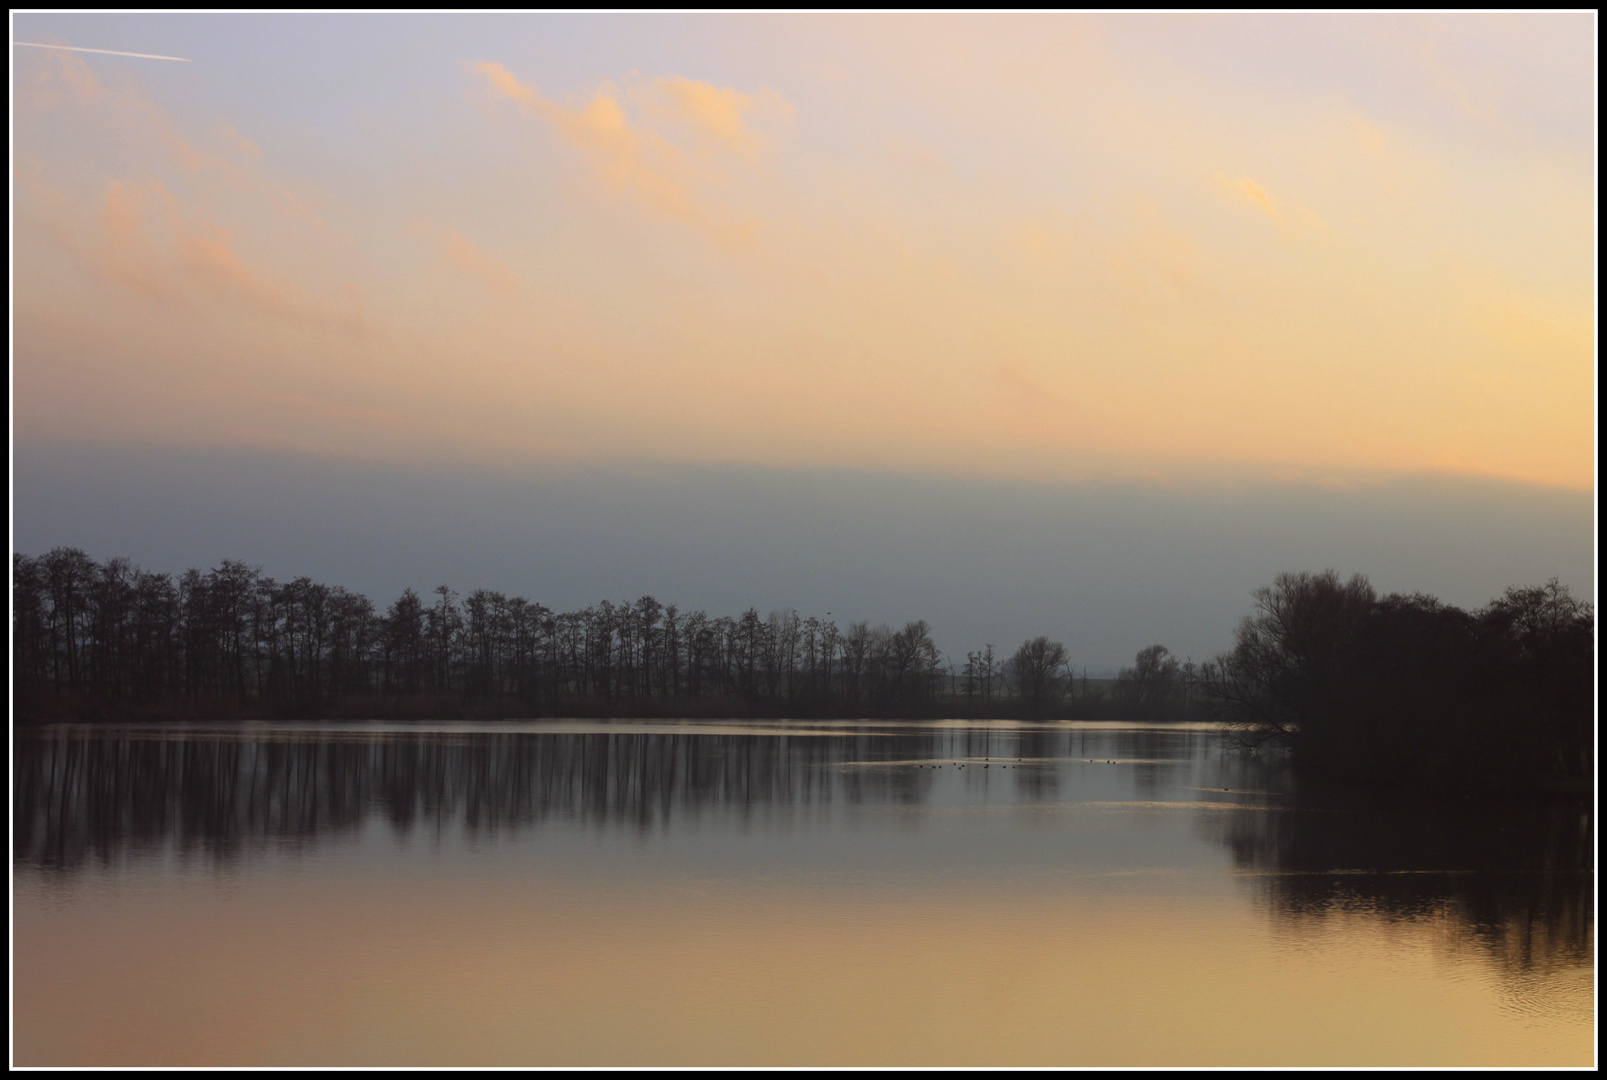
column 1052, row 246
column 1014, row 261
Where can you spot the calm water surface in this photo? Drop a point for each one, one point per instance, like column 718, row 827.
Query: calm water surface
column 630, row 893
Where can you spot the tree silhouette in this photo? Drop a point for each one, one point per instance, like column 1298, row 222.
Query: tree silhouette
column 1039, row 668
column 1153, row 686
column 1399, row 689
column 1408, row 691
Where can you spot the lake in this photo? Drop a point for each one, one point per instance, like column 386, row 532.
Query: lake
column 771, row 893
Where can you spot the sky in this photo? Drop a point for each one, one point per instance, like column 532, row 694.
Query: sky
column 575, row 264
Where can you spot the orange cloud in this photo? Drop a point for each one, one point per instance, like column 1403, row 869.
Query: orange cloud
column 459, row 252
column 207, row 255
column 151, row 244
column 1292, row 221
column 632, row 160
column 1258, row 197
column 290, row 206
column 139, row 235
column 899, row 311
column 128, row 257
column 715, row 112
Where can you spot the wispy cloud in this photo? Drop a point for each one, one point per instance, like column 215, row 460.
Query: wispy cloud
column 127, row 256
column 717, row 114
column 967, row 253
column 152, row 243
column 160, row 229
column 1257, row 196
column 635, row 161
column 457, row 251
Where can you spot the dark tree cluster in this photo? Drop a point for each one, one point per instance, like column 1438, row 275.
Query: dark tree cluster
column 93, row 640
column 1405, row 690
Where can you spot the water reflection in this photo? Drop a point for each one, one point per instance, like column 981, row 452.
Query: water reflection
column 1513, row 879
column 79, row 798
column 81, row 794
column 1518, row 881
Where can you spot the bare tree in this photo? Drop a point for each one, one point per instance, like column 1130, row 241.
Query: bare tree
column 1153, row 685
column 1285, row 662
column 1039, row 667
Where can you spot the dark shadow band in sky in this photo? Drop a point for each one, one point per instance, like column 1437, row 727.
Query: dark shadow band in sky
column 1108, row 568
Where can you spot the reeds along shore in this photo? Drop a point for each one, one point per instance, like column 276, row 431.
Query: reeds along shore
column 1396, row 690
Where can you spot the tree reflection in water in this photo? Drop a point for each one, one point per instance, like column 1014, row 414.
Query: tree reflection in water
column 79, row 798
column 1516, row 879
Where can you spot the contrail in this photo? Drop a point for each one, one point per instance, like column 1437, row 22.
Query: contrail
column 108, row 52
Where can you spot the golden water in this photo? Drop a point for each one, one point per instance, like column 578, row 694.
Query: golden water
column 710, row 894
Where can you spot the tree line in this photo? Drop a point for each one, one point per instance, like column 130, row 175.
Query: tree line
column 107, row 639
column 1397, row 690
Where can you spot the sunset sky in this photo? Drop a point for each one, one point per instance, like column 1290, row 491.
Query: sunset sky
column 1178, row 253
